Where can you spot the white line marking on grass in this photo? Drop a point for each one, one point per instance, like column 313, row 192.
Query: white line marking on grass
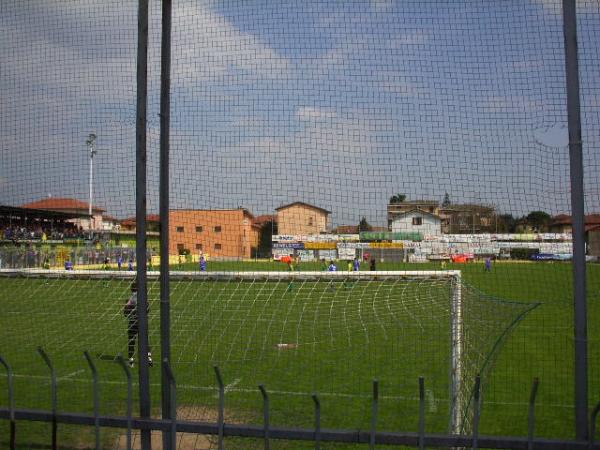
column 431, row 401
column 231, row 385
column 72, row 374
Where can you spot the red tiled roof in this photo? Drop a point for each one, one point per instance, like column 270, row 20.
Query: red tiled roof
column 264, row 218
column 59, row 204
column 131, row 221
column 347, row 229
column 305, row 204
column 564, row 219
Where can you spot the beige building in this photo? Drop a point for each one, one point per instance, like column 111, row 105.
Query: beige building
column 228, row 233
column 302, row 218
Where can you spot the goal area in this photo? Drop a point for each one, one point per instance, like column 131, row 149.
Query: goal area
column 297, row 333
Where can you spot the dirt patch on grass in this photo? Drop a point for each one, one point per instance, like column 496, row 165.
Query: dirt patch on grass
column 185, row 441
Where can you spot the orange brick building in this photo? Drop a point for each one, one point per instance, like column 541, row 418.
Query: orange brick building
column 227, row 233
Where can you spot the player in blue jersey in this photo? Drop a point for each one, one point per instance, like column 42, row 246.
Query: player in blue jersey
column 202, row 263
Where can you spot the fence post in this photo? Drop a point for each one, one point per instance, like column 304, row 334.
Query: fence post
column 173, row 402
column 96, row 398
column 421, row 413
column 11, row 402
column 317, row 421
column 578, row 218
column 221, row 417
column 374, row 411
column 265, row 414
column 53, row 394
column 476, row 413
column 123, row 364
column 531, row 417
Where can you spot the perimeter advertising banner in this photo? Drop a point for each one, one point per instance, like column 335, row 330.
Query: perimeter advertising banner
column 390, row 236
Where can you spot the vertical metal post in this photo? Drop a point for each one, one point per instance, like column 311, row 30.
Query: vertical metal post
column 54, row 398
column 173, row 390
column 421, row 413
column 96, row 398
column 374, row 412
column 578, row 218
column 266, row 415
column 165, row 317
column 11, row 403
column 315, row 398
column 121, row 362
column 140, row 209
column 531, row 414
column 476, row 413
column 221, row 416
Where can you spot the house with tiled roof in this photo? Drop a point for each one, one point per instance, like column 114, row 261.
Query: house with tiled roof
column 300, row 218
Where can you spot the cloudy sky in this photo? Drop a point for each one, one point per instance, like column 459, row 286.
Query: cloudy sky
column 339, row 104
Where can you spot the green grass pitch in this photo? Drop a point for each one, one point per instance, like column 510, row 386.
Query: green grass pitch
column 297, row 339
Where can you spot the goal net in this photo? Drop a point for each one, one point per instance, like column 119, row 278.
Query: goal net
column 298, row 333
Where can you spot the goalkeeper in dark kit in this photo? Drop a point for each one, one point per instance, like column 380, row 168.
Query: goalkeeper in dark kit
column 130, row 311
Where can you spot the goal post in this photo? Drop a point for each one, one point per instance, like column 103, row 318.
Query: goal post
column 297, row 331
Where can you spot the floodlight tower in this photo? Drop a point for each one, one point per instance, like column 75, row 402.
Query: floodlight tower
column 91, row 144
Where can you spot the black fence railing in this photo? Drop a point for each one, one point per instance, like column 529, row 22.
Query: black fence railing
column 267, row 432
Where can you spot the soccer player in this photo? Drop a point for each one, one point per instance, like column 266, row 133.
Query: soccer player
column 488, row 264
column 68, row 265
column 372, row 265
column 130, row 311
column 130, row 264
column 120, row 262
column 323, row 265
column 332, row 267
column 356, row 265
column 202, row 263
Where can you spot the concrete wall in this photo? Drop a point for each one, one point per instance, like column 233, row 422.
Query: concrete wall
column 218, row 233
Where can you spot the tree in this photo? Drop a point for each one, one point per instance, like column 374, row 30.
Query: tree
column 539, row 220
column 363, row 225
column 398, row 198
column 446, row 201
column 506, row 223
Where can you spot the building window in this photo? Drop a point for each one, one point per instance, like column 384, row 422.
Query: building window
column 217, row 246
column 417, row 221
column 180, row 229
column 218, row 229
column 180, row 248
column 198, row 246
column 199, row 229
column 310, row 221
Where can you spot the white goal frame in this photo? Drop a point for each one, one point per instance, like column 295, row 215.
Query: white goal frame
column 457, row 403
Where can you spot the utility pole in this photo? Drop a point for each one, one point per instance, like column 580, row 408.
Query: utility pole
column 91, row 144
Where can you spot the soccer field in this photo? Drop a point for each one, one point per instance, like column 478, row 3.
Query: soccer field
column 303, row 337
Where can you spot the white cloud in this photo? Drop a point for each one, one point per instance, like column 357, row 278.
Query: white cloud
column 382, row 6
column 306, row 113
column 556, row 136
